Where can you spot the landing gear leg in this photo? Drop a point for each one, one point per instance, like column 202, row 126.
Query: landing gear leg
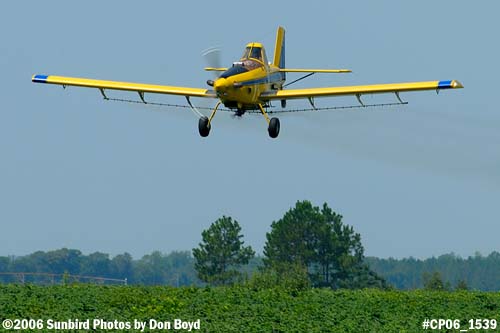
column 204, row 122
column 273, row 124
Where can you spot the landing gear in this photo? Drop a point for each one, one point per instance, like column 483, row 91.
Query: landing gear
column 204, row 126
column 204, row 122
column 274, row 128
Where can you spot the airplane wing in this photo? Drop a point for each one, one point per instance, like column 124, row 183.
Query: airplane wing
column 141, row 88
column 360, row 90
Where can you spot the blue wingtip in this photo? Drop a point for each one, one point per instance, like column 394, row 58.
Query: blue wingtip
column 40, row 78
column 445, row 84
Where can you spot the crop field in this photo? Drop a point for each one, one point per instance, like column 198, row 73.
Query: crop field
column 238, row 309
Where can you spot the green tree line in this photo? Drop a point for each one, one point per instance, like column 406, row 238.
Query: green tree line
column 476, row 272
column 308, row 247
column 175, row 268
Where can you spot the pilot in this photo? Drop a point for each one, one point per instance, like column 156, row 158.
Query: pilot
column 256, row 53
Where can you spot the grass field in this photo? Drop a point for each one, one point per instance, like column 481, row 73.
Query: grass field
column 241, row 309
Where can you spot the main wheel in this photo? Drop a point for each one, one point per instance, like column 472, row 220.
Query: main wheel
column 274, row 128
column 204, row 126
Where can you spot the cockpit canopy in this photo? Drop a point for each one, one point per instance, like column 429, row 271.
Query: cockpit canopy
column 255, row 51
column 253, row 57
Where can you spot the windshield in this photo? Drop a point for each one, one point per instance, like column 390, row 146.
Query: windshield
column 253, row 52
column 246, row 53
column 256, row 53
column 236, row 69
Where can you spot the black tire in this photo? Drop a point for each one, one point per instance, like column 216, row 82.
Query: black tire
column 204, row 126
column 274, row 128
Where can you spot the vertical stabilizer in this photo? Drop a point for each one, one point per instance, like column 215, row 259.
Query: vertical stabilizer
column 279, row 50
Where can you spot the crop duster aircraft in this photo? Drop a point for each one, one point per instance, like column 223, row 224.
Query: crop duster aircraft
column 251, row 83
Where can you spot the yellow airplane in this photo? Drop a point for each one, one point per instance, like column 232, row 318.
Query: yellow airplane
column 251, row 83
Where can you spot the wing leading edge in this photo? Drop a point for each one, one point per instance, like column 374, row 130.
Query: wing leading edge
column 360, row 90
column 127, row 86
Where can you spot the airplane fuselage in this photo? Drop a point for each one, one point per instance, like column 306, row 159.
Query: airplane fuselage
column 241, row 85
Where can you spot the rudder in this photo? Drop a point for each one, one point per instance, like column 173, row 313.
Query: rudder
column 279, row 50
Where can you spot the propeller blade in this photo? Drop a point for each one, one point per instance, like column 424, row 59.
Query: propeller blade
column 212, row 58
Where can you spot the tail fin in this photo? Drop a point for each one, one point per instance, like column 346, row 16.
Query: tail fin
column 279, row 50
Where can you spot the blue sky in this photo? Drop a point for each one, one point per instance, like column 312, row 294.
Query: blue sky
column 79, row 172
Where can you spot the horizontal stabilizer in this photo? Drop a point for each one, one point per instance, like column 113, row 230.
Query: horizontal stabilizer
column 216, row 69
column 306, row 70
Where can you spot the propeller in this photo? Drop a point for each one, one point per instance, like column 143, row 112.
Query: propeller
column 212, row 58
